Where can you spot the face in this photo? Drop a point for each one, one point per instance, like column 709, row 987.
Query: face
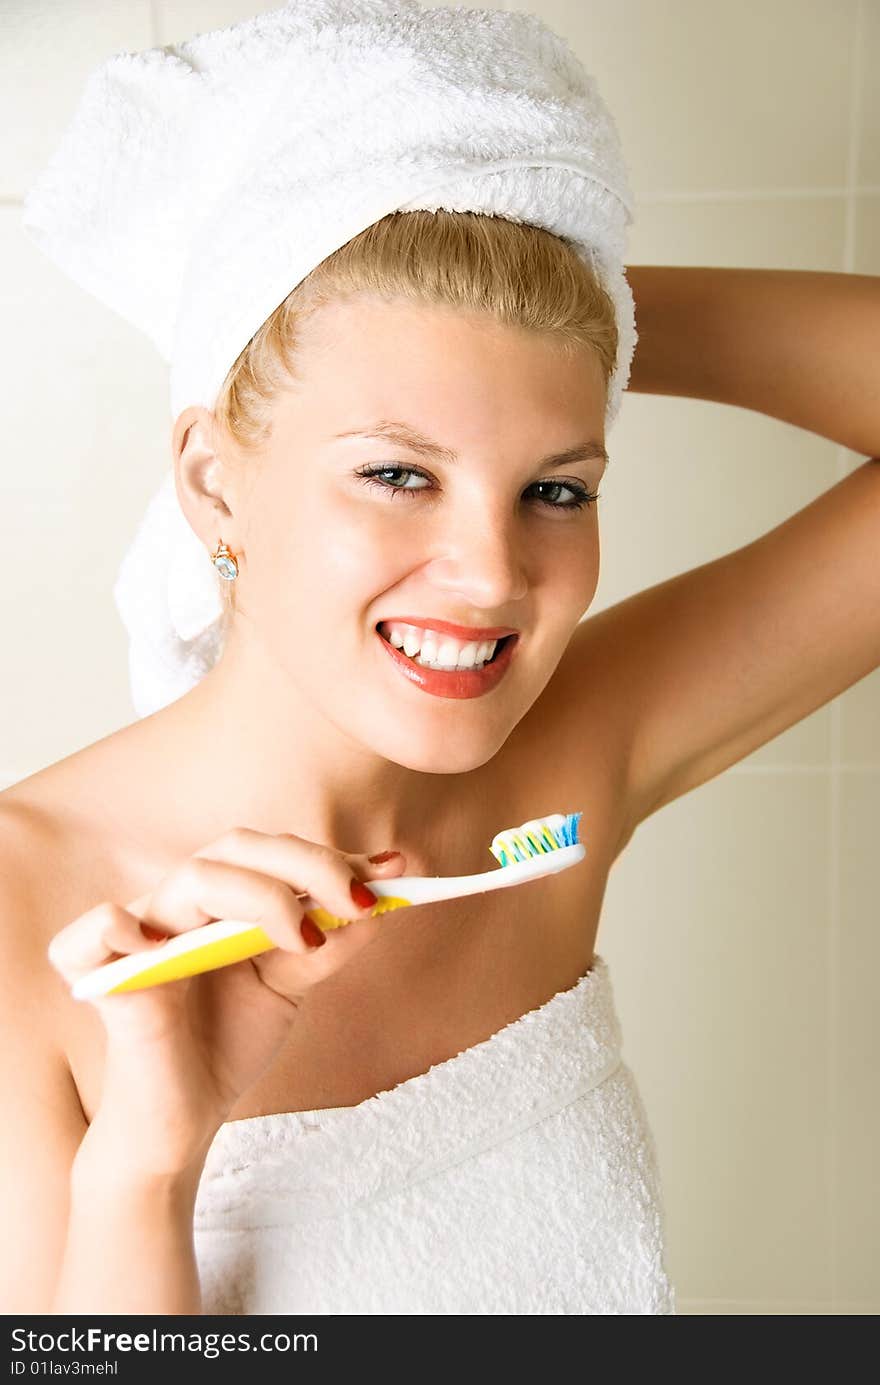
column 490, row 539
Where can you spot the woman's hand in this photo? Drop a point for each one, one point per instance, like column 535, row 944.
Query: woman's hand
column 179, row 1055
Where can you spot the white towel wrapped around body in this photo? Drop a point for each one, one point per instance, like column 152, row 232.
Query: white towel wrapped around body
column 519, row 1177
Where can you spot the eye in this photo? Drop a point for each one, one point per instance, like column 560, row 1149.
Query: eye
column 371, row 476
column 583, row 497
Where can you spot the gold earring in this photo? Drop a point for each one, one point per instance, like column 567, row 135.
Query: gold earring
column 225, row 562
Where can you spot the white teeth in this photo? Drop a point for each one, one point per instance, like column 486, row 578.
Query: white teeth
column 440, row 651
column 469, row 655
column 443, row 665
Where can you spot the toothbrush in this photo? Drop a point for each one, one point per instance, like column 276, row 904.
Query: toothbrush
column 540, row 847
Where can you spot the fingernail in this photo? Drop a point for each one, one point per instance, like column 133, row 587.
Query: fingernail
column 382, row 857
column 311, row 933
column 363, row 898
column 155, row 935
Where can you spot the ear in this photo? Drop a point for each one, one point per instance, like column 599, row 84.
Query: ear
column 199, row 477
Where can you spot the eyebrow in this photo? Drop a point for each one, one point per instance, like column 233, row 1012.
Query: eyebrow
column 393, row 430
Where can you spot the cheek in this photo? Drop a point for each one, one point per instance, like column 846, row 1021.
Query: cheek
column 571, row 566
column 324, row 564
column 355, row 552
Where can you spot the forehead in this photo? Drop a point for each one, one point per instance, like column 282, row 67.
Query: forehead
column 369, row 350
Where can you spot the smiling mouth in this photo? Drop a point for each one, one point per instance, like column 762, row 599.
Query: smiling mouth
column 500, row 646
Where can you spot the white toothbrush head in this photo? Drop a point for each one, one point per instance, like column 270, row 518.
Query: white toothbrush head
column 535, row 837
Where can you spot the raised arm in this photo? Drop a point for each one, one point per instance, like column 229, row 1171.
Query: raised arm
column 799, row 345
column 715, row 662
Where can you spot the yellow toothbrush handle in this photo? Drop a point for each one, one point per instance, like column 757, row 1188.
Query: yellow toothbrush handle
column 326, row 920
column 213, row 945
column 222, row 952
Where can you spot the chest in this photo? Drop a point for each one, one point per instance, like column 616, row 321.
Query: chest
column 442, row 977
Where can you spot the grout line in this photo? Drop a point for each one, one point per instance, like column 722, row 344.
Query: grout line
column 764, row 1302
column 758, row 1306
column 755, row 194
column 835, row 875
column 832, row 1020
column 861, row 767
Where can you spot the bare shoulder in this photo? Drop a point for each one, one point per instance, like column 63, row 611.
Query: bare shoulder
column 37, row 853
column 29, row 839
column 38, row 880
column 61, row 858
column 31, row 891
column 56, row 861
column 68, row 827
column 54, row 865
column 42, row 1120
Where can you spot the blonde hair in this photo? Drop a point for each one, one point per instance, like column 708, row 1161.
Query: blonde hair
column 521, row 275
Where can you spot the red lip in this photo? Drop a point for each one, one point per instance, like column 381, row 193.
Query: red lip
column 448, row 627
column 457, row 684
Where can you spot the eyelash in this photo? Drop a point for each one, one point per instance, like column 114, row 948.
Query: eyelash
column 585, row 498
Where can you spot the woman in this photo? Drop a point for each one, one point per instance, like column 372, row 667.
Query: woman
column 355, row 1123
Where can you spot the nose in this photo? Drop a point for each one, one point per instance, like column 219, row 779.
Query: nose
column 482, row 563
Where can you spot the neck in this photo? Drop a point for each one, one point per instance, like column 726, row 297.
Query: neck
column 245, row 747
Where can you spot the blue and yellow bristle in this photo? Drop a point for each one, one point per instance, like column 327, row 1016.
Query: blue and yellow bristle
column 535, row 838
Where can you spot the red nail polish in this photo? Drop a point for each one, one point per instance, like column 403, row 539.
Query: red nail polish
column 382, row 857
column 363, row 898
column 311, row 933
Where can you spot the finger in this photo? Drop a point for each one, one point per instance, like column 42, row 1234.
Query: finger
column 105, row 931
column 306, row 867
column 203, row 889
column 282, row 971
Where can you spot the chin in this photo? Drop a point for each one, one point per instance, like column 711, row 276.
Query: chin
column 454, row 755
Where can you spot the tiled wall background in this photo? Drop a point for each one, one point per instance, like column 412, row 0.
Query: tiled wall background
column 741, row 925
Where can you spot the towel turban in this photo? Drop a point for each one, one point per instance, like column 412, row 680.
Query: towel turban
column 198, row 183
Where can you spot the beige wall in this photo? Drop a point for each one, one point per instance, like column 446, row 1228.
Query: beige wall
column 741, row 925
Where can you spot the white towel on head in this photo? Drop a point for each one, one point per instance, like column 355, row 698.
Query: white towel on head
column 197, row 184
